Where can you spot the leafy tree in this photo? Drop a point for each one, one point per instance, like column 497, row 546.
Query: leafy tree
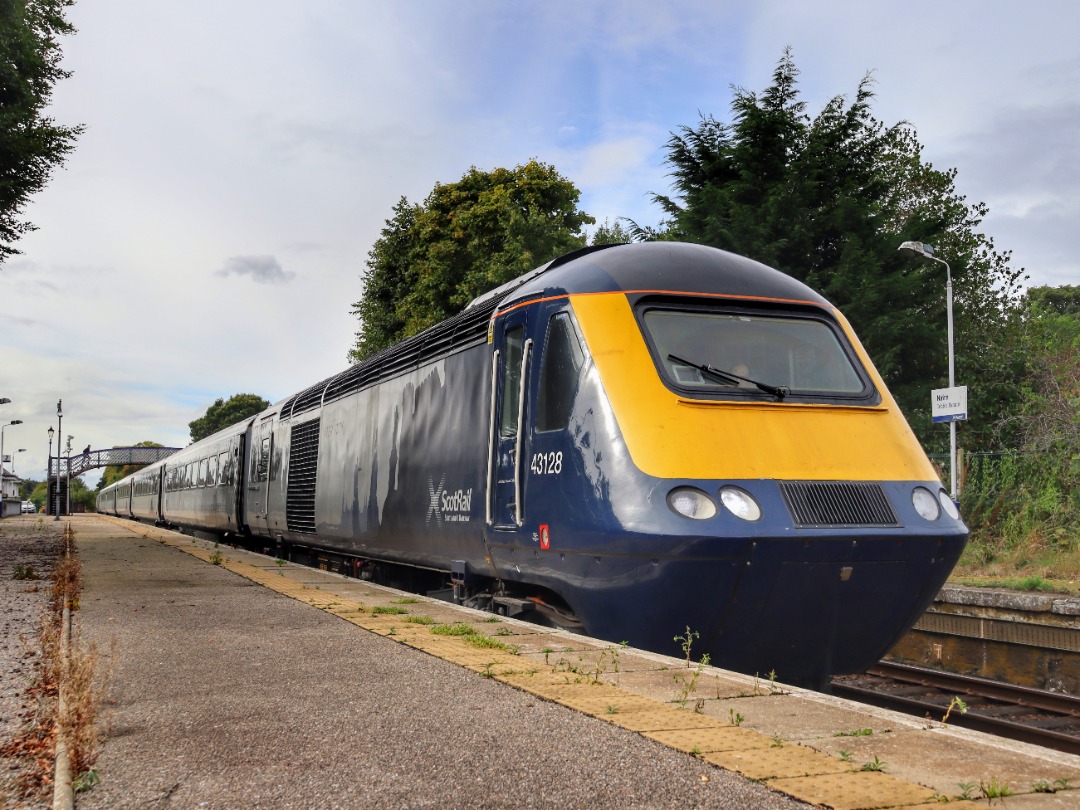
column 828, row 199
column 467, row 238
column 32, row 145
column 1026, row 503
column 80, row 494
column 226, row 412
column 114, row 473
column 608, row 233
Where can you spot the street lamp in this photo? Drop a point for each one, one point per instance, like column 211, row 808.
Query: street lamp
column 59, row 437
column 2, row 492
column 921, row 250
column 20, row 450
column 67, row 508
column 48, row 471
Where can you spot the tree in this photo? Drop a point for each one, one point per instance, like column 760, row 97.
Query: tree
column 467, row 238
column 607, row 233
column 32, row 145
column 828, row 200
column 224, row 413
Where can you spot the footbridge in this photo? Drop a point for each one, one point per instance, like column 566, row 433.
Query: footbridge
column 63, row 468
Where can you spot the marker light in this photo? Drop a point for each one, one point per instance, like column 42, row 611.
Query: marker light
column 691, row 503
column 740, row 503
column 948, row 504
column 925, row 503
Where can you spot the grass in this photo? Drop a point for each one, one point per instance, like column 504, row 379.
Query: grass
column 1033, row 565
column 471, row 635
column 388, row 610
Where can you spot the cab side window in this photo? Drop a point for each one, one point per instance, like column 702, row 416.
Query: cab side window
column 563, row 359
column 511, row 386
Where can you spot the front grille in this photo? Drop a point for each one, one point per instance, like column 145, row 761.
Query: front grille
column 303, row 464
column 819, row 504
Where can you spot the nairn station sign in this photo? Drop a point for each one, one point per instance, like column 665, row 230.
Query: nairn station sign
column 949, row 404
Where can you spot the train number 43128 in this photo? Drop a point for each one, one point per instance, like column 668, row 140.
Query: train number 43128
column 546, row 463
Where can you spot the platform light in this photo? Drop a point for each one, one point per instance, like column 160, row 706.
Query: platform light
column 921, row 250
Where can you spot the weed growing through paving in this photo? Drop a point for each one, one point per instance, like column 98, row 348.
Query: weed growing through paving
column 845, row 755
column 859, row 732
column 686, row 642
column 471, row 635
column 955, row 703
column 612, row 709
column 280, row 563
column 695, row 751
column 492, row 620
column 995, row 789
column 873, row 765
column 24, row 572
column 215, row 558
column 965, row 791
column 689, row 683
column 777, row 742
column 419, row 620
column 405, row 600
column 735, row 718
column 388, row 610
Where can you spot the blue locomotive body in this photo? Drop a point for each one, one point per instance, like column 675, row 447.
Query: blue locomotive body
column 586, row 446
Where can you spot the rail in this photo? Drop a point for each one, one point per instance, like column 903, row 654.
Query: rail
column 1049, row 719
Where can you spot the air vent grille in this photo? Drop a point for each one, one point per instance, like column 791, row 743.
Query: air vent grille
column 303, row 465
column 821, row 504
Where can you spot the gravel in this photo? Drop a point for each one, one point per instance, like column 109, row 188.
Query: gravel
column 224, row 694
column 24, row 541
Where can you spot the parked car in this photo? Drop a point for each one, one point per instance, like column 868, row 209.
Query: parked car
column 28, row 508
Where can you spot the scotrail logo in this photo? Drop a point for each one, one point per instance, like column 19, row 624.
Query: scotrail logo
column 448, row 507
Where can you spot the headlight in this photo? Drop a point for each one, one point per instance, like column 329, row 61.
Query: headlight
column 925, row 503
column 691, row 503
column 948, row 504
column 740, row 503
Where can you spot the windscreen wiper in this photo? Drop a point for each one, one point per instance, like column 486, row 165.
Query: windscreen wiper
column 728, row 378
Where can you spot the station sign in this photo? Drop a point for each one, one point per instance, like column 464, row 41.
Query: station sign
column 948, row 404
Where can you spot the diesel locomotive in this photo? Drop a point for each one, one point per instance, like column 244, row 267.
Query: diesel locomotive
column 633, row 441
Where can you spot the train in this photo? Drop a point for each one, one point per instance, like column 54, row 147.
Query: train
column 643, row 442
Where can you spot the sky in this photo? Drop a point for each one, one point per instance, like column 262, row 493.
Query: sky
column 208, row 234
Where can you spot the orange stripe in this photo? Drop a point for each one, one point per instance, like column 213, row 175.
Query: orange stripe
column 683, row 293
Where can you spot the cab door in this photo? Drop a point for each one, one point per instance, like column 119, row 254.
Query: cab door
column 506, row 506
column 257, row 475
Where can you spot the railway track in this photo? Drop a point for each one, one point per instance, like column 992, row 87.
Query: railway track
column 1048, row 719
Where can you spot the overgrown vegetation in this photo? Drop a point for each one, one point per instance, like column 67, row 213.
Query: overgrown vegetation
column 1023, row 504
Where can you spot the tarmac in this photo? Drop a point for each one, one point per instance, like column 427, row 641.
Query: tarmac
column 235, row 680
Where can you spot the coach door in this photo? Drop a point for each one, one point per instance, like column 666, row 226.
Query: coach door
column 258, row 475
column 508, row 434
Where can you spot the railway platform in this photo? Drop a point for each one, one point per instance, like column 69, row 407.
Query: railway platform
column 239, row 681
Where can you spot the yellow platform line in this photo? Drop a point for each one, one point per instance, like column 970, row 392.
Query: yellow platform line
column 795, row 770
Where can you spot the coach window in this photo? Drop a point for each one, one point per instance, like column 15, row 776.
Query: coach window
column 212, row 471
column 223, row 468
column 511, row 383
column 203, row 466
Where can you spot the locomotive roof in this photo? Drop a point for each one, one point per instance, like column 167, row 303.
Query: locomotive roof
column 655, row 266
column 643, row 266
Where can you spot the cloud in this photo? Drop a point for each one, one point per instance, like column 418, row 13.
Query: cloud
column 263, row 269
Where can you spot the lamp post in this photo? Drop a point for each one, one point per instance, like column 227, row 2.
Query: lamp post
column 20, row 450
column 59, row 438
column 48, row 472
column 921, row 250
column 67, row 477
column 3, row 493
